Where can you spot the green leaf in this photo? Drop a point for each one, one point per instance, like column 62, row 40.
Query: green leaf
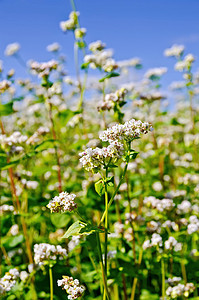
column 12, row 242
column 6, row 109
column 85, row 66
column 81, row 228
column 109, row 75
column 81, row 44
column 74, row 229
column 110, row 181
column 59, row 220
column 99, row 187
column 133, row 155
column 45, row 145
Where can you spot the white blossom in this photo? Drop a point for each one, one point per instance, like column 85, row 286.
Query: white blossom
column 62, row 203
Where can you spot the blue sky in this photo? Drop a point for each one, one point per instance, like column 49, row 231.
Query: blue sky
column 142, row 28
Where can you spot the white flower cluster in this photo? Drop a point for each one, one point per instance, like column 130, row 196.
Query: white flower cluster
column 102, row 60
column 35, row 138
column 175, row 50
column 189, row 179
column 14, row 229
column 185, row 64
column 73, row 242
column 173, row 281
column 30, row 184
column 94, row 158
column 170, row 224
column 112, row 98
column 180, row 290
column 155, row 73
column 80, row 33
column 43, row 69
column 128, row 131
column 194, row 225
column 13, row 141
column 45, row 252
column 71, row 286
column 133, row 62
column 156, row 240
column 4, row 85
column 171, row 243
column 160, row 205
column 153, row 226
column 96, row 46
column 71, row 23
column 62, row 203
column 54, row 47
column 152, row 96
column 12, row 49
column 8, row 280
column 6, row 208
column 184, row 207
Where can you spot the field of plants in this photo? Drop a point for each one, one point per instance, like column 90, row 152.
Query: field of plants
column 99, row 180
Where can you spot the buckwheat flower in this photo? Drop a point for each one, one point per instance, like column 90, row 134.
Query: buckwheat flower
column 71, row 286
column 62, row 203
column 12, row 49
column 171, row 243
column 73, row 242
column 181, row 66
column 157, row 186
column 80, row 33
column 175, row 50
column 180, row 290
column 194, row 225
column 14, row 139
column 96, row 46
column 55, row 47
column 119, row 228
column 110, row 65
column 23, row 275
column 6, row 208
column 128, row 131
column 133, row 62
column 174, row 280
column 184, row 207
column 14, row 230
column 44, row 252
column 97, row 157
column 156, row 240
column 177, row 85
column 43, row 69
column 155, row 73
column 71, row 23
column 36, row 137
column 8, row 280
column 146, row 244
column 152, row 96
column 189, row 58
column 153, row 226
column 4, row 85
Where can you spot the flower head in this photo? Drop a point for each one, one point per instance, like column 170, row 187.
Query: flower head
column 12, row 49
column 71, row 286
column 62, row 203
column 45, row 252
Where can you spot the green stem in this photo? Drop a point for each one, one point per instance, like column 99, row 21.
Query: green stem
column 106, row 228
column 102, row 266
column 163, row 278
column 116, row 190
column 136, row 279
column 51, row 282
